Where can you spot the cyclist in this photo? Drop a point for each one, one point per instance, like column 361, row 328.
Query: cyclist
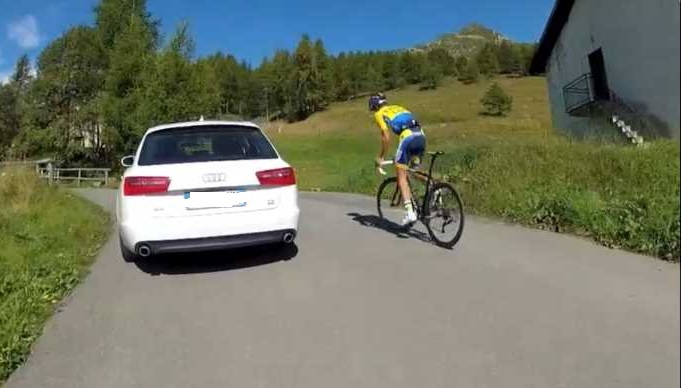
column 411, row 147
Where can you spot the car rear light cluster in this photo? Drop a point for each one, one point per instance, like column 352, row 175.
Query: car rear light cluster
column 278, row 177
column 140, row 185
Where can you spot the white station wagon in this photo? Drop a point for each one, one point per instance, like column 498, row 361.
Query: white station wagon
column 205, row 185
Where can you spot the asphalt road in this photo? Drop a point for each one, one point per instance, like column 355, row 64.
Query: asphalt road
column 352, row 305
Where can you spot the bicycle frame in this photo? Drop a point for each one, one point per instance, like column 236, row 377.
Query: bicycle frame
column 428, row 176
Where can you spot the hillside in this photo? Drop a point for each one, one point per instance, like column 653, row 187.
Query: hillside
column 344, row 135
column 323, row 145
column 452, row 109
column 466, row 42
column 516, row 168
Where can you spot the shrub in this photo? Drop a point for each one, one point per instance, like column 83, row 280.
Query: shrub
column 496, row 102
column 432, row 77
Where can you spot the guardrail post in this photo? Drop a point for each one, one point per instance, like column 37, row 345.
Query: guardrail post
column 106, row 178
column 50, row 174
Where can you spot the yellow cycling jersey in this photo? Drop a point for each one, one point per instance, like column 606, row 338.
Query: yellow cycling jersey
column 396, row 119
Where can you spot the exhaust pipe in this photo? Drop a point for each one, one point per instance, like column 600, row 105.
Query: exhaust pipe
column 288, row 237
column 144, row 250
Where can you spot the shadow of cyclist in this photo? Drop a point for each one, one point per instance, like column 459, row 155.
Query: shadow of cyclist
column 374, row 221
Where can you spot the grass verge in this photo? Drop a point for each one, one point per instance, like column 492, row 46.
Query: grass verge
column 48, row 239
column 617, row 195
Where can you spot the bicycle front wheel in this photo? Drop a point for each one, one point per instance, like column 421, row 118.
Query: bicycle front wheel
column 389, row 199
column 445, row 213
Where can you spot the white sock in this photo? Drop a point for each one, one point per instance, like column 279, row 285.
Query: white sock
column 408, row 207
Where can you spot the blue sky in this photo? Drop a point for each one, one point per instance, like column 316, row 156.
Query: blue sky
column 252, row 29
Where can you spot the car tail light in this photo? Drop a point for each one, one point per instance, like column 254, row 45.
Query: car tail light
column 139, row 185
column 281, row 176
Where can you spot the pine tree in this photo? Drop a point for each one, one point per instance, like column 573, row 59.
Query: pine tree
column 432, row 76
column 372, row 80
column 508, row 57
column 322, row 76
column 526, row 54
column 209, row 80
column 71, row 69
column 265, row 76
column 244, row 90
column 170, row 88
column 391, row 71
column 251, row 93
column 283, row 79
column 13, row 103
column 9, row 118
column 22, row 75
column 182, row 44
column 304, row 98
column 412, row 66
column 341, row 78
column 356, row 74
column 444, row 62
column 461, row 64
column 113, row 16
column 132, row 52
column 496, row 102
column 228, row 71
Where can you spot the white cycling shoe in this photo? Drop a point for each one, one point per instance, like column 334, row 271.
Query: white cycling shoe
column 409, row 219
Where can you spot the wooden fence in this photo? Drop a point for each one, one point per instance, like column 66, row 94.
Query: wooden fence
column 78, row 175
column 45, row 169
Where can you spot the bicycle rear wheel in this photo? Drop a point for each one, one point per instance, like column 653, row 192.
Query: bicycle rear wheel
column 444, row 203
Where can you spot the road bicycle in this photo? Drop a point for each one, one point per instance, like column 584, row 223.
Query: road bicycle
column 430, row 200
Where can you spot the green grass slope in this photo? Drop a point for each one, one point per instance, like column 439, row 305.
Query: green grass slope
column 47, row 241
column 516, row 168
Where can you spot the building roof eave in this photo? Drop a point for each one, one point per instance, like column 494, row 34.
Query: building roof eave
column 554, row 26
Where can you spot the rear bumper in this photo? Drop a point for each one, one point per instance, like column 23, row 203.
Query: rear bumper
column 215, row 243
column 204, row 232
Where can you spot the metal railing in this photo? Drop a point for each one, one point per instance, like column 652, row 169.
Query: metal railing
column 581, row 100
column 578, row 93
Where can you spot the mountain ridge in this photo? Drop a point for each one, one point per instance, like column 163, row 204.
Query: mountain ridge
column 466, row 42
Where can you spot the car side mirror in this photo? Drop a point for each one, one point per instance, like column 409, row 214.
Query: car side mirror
column 127, row 161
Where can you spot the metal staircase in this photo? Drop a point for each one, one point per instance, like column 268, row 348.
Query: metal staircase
column 633, row 136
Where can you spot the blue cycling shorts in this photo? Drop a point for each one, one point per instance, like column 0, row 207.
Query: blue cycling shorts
column 410, row 149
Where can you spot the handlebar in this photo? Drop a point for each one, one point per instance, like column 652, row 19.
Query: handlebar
column 383, row 163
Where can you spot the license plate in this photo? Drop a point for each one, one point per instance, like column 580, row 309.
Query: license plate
column 214, row 199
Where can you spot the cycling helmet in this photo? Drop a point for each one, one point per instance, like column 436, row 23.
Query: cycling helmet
column 376, row 101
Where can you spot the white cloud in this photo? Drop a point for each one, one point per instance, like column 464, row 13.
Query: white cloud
column 24, row 32
column 4, row 76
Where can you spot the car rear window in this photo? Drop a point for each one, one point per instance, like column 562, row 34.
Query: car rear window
column 205, row 144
